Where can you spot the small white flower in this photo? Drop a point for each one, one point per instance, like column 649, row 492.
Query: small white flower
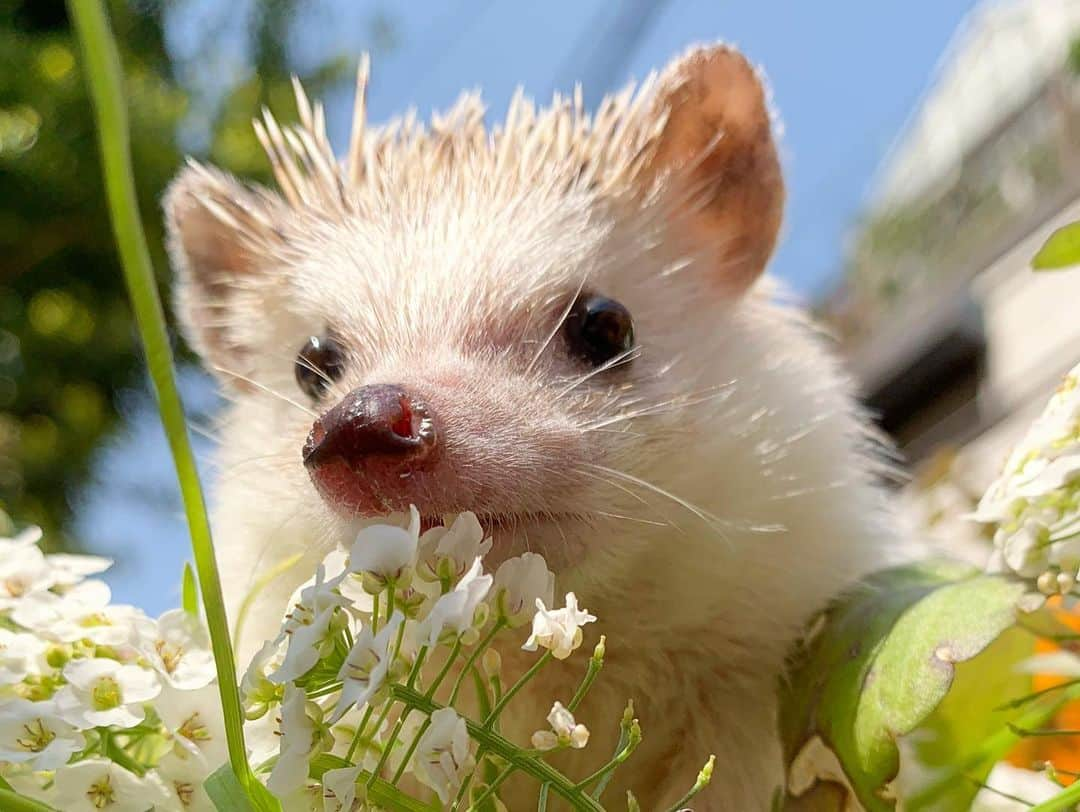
column 69, row 570
column 302, row 738
column 308, row 626
column 256, row 689
column 20, row 655
column 23, row 568
column 519, row 583
column 1025, row 549
column 104, row 692
column 385, row 552
column 443, row 757
column 339, row 789
column 183, row 773
column 178, row 646
column 196, row 720
column 366, row 666
column 558, row 629
column 32, row 732
column 565, row 731
column 83, row 612
column 97, row 785
column 447, row 552
column 455, row 612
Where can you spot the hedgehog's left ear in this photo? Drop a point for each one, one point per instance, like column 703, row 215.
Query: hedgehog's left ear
column 221, row 238
column 716, row 163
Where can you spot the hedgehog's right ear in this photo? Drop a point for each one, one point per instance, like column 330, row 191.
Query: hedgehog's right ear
column 220, row 240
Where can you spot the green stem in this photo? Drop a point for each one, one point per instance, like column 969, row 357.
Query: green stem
column 517, row 686
column 511, row 753
column 400, row 771
column 14, row 802
column 991, row 750
column 632, row 741
column 445, row 669
column 1061, row 802
column 596, row 662
column 493, row 787
column 703, row 779
column 103, row 75
column 359, row 732
column 541, row 802
column 476, row 652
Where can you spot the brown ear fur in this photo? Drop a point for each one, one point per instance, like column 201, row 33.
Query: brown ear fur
column 720, row 162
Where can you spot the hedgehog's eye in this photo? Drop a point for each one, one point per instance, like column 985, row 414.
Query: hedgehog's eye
column 598, row 329
column 319, row 362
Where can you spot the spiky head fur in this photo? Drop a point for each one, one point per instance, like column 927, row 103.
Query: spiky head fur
column 703, row 494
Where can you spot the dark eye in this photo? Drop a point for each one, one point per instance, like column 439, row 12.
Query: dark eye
column 598, row 329
column 320, row 361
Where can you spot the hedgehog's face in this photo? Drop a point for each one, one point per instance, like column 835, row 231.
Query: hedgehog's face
column 527, row 351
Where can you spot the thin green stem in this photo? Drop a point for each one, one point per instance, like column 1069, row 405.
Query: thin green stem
column 541, row 802
column 103, row 75
column 632, row 741
column 504, row 749
column 1063, row 801
column 359, row 733
column 445, row 669
column 517, row 686
column 493, row 787
column 703, row 779
column 991, row 750
column 476, row 652
column 596, row 662
column 400, row 771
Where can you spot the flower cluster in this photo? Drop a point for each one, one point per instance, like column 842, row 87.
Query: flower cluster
column 101, row 707
column 1035, row 503
column 365, row 680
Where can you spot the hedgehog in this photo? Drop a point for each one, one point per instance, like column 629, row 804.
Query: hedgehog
column 560, row 323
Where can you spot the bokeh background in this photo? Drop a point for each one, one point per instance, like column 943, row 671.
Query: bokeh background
column 929, row 146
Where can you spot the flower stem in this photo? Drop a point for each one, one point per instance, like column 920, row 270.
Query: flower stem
column 493, row 787
column 509, row 752
column 632, row 741
column 411, row 749
column 445, row 669
column 1061, row 802
column 703, row 779
column 359, row 733
column 476, row 652
column 517, row 686
column 596, row 662
column 103, row 75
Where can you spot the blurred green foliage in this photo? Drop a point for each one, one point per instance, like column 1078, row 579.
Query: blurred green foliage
column 67, row 343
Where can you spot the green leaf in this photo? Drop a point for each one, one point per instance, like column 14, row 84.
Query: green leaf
column 1061, row 250
column 228, row 795
column 882, row 662
column 189, row 591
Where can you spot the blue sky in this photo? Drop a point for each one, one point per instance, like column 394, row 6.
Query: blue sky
column 845, row 74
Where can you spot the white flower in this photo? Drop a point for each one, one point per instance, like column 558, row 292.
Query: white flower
column 559, row 629
column 308, row 627
column 23, row 568
column 339, row 789
column 72, row 569
column 447, row 552
column 196, row 720
column 385, row 552
column 1006, row 782
column 455, row 612
column 302, row 738
column 81, row 613
column 183, row 773
column 104, row 692
column 366, row 666
column 33, row 732
column 20, row 655
column 443, row 757
column 178, row 646
column 519, row 583
column 97, row 785
column 256, row 690
column 565, row 731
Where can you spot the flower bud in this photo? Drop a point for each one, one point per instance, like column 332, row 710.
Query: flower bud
column 491, row 662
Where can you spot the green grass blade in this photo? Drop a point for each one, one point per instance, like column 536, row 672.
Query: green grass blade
column 102, row 70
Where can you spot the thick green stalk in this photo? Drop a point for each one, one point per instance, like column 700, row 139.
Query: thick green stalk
column 103, row 75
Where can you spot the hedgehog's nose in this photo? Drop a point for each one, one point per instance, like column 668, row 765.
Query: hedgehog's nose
column 372, row 422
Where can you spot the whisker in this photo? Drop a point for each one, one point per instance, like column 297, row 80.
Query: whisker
column 624, row 357
column 267, row 390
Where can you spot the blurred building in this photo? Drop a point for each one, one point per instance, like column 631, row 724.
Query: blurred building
column 957, row 343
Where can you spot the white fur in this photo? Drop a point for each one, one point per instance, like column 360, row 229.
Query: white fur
column 450, row 281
